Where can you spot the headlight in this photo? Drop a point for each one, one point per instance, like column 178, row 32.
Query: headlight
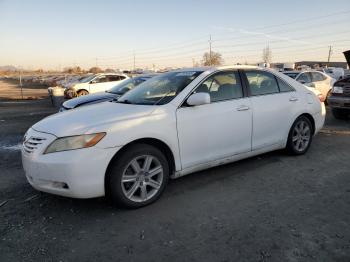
column 74, row 142
column 337, row 90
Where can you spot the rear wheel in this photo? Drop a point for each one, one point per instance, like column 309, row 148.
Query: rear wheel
column 339, row 113
column 82, row 92
column 138, row 177
column 300, row 136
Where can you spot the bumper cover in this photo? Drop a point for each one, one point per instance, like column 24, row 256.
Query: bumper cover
column 77, row 173
column 339, row 101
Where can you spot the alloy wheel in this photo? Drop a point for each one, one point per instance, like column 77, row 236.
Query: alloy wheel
column 142, row 178
column 301, row 136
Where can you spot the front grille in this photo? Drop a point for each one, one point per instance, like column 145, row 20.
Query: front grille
column 346, row 91
column 32, row 144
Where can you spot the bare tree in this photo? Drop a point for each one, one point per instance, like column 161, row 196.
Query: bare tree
column 95, row 70
column 212, row 59
column 267, row 55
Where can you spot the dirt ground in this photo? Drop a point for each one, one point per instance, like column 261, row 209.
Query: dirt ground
column 268, row 208
column 11, row 90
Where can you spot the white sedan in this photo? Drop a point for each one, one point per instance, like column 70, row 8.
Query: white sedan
column 172, row 125
column 314, row 79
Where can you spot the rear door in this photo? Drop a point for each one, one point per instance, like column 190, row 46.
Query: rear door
column 274, row 104
column 114, row 80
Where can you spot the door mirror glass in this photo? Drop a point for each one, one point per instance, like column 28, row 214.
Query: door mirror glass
column 198, row 99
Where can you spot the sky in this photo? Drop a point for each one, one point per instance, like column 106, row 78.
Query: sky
column 113, row 34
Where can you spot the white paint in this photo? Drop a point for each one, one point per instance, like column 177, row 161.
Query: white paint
column 199, row 137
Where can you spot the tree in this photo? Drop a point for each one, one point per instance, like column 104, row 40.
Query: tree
column 72, row 70
column 212, row 59
column 95, row 70
column 267, row 55
column 109, row 70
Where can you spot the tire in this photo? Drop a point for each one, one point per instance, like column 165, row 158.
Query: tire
column 300, row 136
column 131, row 183
column 82, row 92
column 339, row 113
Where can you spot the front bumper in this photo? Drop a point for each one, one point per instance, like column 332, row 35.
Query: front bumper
column 339, row 101
column 76, row 173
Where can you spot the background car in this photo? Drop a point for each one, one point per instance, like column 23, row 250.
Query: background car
column 339, row 99
column 108, row 95
column 318, row 80
column 93, row 84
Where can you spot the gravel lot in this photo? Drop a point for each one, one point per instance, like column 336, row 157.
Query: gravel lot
column 268, row 208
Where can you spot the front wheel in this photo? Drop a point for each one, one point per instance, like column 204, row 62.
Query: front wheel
column 82, row 92
column 300, row 136
column 138, row 177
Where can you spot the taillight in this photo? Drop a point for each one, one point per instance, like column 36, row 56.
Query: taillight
column 321, row 97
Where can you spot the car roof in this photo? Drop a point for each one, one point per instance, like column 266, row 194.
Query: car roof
column 292, row 72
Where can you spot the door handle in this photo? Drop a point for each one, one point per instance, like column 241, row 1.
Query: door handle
column 293, row 99
column 242, row 108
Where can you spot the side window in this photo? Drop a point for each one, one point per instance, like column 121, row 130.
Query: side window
column 305, row 77
column 284, row 87
column 317, row 77
column 222, row 86
column 261, row 83
column 101, row 79
column 113, row 78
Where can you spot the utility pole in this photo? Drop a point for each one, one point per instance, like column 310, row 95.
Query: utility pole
column 20, row 82
column 210, row 60
column 96, row 63
column 134, row 61
column 329, row 55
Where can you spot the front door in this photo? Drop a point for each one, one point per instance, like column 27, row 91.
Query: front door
column 217, row 130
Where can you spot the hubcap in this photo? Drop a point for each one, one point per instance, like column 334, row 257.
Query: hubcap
column 301, row 136
column 142, row 178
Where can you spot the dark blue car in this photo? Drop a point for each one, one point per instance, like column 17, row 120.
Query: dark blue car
column 109, row 95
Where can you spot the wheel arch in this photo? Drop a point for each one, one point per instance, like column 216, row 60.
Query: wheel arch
column 159, row 144
column 312, row 120
column 82, row 89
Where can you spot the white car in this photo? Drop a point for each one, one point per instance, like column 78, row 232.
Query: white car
column 318, row 80
column 94, row 83
column 169, row 126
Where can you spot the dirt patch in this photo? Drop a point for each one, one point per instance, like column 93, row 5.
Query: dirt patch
column 11, row 90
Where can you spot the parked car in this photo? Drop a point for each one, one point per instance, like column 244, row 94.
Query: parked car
column 339, row 99
column 108, row 95
column 335, row 72
column 318, row 80
column 169, row 126
column 93, row 84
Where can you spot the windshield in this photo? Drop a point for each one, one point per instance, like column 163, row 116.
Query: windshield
column 127, row 85
column 87, row 79
column 160, row 89
column 292, row 75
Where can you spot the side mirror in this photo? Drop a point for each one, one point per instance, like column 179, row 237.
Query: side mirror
column 93, row 82
column 198, row 99
column 302, row 82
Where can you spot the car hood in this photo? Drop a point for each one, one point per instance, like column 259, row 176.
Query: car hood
column 90, row 118
column 75, row 102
